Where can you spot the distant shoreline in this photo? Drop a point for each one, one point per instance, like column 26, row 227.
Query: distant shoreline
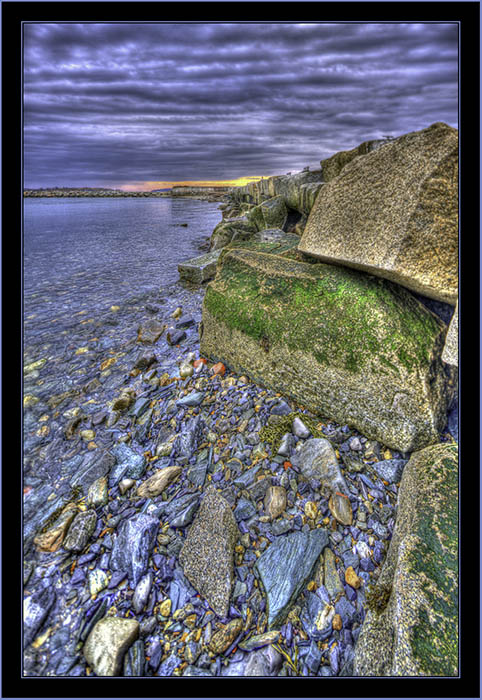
column 210, row 193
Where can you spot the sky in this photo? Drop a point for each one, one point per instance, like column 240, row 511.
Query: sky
column 145, row 106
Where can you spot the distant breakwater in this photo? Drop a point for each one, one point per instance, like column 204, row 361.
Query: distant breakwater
column 211, row 193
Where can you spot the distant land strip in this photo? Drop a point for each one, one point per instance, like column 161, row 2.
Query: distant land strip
column 177, row 191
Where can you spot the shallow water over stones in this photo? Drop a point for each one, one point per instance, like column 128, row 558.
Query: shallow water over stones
column 208, row 426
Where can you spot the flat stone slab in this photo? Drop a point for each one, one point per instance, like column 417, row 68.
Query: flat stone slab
column 414, row 624
column 285, row 567
column 200, row 269
column 208, row 552
column 107, row 644
column 394, row 213
column 349, row 346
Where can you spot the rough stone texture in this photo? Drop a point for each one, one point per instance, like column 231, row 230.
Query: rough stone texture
column 289, row 187
column 200, row 269
column 331, row 167
column 390, row 469
column 332, row 581
column 285, row 567
column 416, row 634
column 80, row 531
column 133, row 545
column 224, row 637
column 450, row 353
column 263, row 662
column 275, row 501
column 108, row 642
column 208, row 552
column 135, row 463
column 317, row 460
column 269, row 214
column 98, row 494
column 225, row 230
column 394, row 213
column 158, row 482
column 349, row 346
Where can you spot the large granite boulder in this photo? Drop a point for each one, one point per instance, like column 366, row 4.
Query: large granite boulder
column 351, row 347
column 394, row 213
column 450, row 353
column 331, row 167
column 269, row 214
column 225, row 230
column 208, row 552
column 289, row 187
column 413, row 620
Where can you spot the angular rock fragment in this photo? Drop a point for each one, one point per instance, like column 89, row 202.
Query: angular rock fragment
column 208, row 552
column 222, row 639
column 317, row 460
column 150, row 332
column 275, row 501
column 93, row 467
column 263, row 662
column 35, row 609
column 200, row 269
column 450, row 353
column 51, row 540
column 158, row 482
column 394, row 213
column 80, row 531
column 107, row 644
column 285, row 567
column 134, row 462
column 98, row 495
column 133, row 545
column 332, row 580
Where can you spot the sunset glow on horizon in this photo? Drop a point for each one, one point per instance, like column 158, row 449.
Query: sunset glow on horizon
column 161, row 184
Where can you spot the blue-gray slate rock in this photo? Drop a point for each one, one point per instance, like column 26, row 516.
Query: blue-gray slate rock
column 390, row 469
column 93, row 466
column 285, row 567
column 133, row 545
column 136, row 463
column 192, row 399
column 36, row 609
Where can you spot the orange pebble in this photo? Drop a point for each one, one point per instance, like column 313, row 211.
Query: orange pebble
column 287, row 465
column 201, row 360
column 219, row 368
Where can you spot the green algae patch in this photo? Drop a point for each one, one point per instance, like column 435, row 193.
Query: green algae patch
column 343, row 308
column 347, row 345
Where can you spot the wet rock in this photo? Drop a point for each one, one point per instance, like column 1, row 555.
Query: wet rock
column 187, row 441
column 125, row 485
column 285, row 567
column 145, row 360
column 168, row 666
column 207, row 555
column 317, row 460
column 98, row 580
column 175, row 337
column 133, row 545
column 93, row 467
column 107, row 644
column 180, row 511
column 80, row 531
column 258, row 641
column 200, row 269
column 35, row 610
column 158, row 482
column 136, row 463
column 150, row 332
column 275, row 501
column 244, row 510
column 192, row 399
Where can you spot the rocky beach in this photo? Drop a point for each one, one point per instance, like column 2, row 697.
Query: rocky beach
column 253, row 471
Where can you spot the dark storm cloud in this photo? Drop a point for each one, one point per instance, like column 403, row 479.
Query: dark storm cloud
column 115, row 103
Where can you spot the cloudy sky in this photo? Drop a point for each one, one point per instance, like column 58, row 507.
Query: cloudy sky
column 140, row 105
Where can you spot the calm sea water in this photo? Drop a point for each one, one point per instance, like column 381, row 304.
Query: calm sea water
column 90, row 253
